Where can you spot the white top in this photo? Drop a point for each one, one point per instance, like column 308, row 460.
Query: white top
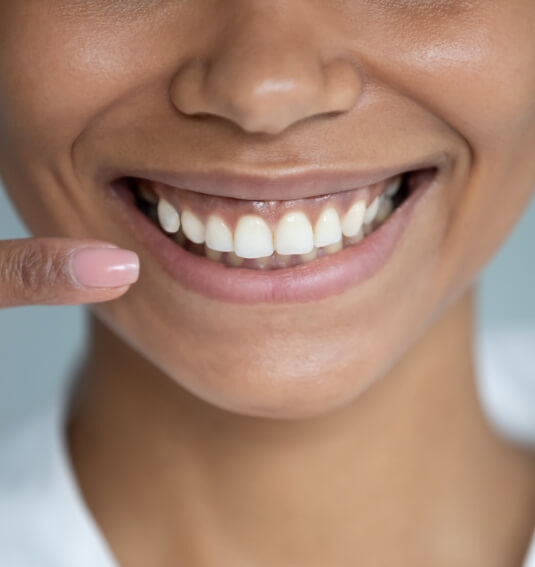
column 44, row 521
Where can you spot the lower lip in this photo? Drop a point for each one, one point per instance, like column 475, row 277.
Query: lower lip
column 321, row 278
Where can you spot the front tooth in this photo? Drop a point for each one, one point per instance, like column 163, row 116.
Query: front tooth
column 168, row 216
column 393, row 186
column 252, row 237
column 294, row 234
column 218, row 235
column 353, row 219
column 371, row 211
column 193, row 228
column 328, row 229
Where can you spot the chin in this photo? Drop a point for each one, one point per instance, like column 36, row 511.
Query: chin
column 293, row 388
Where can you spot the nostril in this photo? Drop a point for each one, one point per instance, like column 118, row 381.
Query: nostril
column 200, row 116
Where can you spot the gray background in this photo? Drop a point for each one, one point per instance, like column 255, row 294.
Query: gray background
column 39, row 346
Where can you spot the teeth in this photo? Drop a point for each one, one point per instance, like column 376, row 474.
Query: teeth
column 371, row 211
column 168, row 216
column 253, row 238
column 393, row 187
column 193, row 228
column 328, row 229
column 294, row 234
column 385, row 209
column 218, row 235
column 353, row 219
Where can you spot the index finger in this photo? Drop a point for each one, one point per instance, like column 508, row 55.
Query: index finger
column 59, row 271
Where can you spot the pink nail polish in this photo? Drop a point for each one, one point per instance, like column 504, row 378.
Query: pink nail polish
column 105, row 267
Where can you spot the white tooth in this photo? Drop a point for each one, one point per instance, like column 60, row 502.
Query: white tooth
column 168, row 216
column 353, row 219
column 385, row 209
column 218, row 234
column 328, row 229
column 294, row 234
column 393, row 186
column 371, row 211
column 193, row 228
column 252, row 237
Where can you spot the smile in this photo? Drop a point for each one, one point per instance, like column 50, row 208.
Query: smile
column 265, row 235
column 275, row 250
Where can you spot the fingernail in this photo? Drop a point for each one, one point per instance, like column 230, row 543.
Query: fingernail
column 105, row 267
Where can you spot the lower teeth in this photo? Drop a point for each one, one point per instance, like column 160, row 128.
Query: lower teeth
column 276, row 261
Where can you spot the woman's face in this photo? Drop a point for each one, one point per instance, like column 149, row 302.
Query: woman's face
column 196, row 92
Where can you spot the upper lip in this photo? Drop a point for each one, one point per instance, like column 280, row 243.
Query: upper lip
column 282, row 185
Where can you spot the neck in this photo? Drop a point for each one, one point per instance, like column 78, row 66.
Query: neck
column 411, row 465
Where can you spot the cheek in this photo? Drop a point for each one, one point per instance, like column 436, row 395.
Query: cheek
column 483, row 86
column 479, row 77
column 57, row 77
column 491, row 100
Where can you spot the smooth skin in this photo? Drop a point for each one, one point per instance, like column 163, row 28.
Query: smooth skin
column 343, row 432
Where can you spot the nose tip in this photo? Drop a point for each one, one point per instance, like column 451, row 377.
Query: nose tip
column 266, row 90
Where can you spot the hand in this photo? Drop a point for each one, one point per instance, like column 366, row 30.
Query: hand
column 60, row 271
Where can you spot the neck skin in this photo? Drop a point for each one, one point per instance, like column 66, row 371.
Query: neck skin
column 408, row 474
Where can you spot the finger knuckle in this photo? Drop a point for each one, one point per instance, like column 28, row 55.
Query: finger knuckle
column 34, row 270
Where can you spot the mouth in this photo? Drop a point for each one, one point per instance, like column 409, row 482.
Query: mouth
column 270, row 235
column 244, row 250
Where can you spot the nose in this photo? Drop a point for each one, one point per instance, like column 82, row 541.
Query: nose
column 265, row 74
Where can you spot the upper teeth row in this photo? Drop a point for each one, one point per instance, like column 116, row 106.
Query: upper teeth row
column 294, row 234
